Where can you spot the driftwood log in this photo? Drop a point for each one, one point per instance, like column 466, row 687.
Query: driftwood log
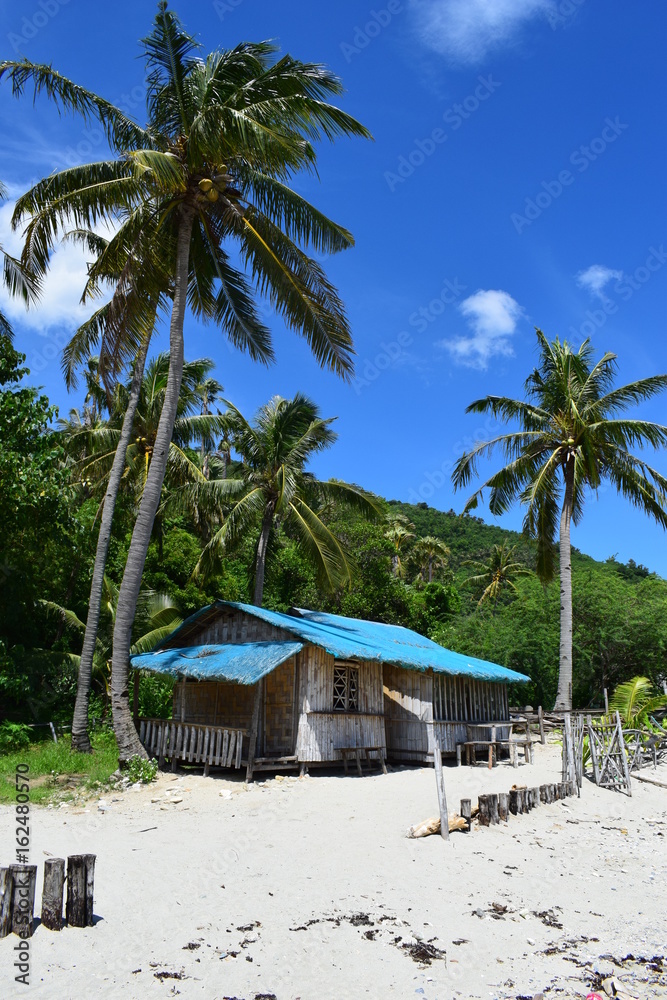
column 432, row 825
column 52, row 894
column 80, row 882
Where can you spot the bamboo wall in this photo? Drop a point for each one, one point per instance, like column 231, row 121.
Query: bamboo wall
column 280, row 710
column 222, row 625
column 321, row 731
column 413, row 699
column 214, row 703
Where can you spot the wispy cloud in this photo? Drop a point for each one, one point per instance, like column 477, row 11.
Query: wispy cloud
column 596, row 277
column 492, row 316
column 60, row 304
column 465, row 30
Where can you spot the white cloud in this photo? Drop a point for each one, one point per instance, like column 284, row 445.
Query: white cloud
column 492, row 316
column 465, row 30
column 59, row 304
column 595, row 277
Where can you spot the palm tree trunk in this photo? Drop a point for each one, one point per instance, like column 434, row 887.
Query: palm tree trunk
column 80, row 739
column 564, row 695
column 260, row 559
column 126, row 734
column 430, row 569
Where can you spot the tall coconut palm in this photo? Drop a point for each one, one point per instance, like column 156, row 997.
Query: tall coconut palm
column 225, row 135
column 570, row 441
column 271, row 485
column 156, row 618
column 431, row 554
column 17, row 279
column 496, row 575
column 98, row 444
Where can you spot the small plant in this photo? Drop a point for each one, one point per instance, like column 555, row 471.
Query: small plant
column 53, row 779
column 140, row 769
column 14, row 736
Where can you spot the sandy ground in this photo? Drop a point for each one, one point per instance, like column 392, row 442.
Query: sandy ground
column 309, row 890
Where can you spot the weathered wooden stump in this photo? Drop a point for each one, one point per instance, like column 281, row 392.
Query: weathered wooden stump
column 466, row 811
column 503, row 806
column 52, row 893
column 6, row 892
column 523, row 799
column 514, row 801
column 484, row 810
column 80, row 881
column 544, row 793
column 23, row 899
column 535, row 796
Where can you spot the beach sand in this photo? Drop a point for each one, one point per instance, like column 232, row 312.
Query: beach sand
column 308, row 889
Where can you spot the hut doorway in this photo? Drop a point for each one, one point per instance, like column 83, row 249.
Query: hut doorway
column 280, row 710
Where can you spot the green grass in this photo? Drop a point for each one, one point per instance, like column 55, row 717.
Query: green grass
column 50, row 764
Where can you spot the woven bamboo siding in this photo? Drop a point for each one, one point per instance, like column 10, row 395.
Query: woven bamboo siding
column 216, row 703
column 222, row 625
column 321, row 731
column 280, row 709
column 466, row 700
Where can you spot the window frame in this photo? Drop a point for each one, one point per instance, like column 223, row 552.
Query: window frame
column 351, row 690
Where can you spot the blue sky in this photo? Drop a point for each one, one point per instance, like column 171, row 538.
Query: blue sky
column 516, row 179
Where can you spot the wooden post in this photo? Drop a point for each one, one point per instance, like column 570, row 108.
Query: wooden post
column 254, row 727
column 606, row 702
column 6, row 893
column 80, row 883
column 493, row 809
column 514, row 801
column 466, row 812
column 540, row 719
column 52, row 893
column 484, row 810
column 503, row 806
column 535, row 797
column 442, row 798
column 23, row 899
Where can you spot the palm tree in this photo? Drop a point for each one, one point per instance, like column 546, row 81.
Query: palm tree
column 400, row 533
column 156, row 618
column 271, row 486
column 97, row 445
column 18, row 280
column 225, row 136
column 636, row 700
column 497, row 575
column 570, row 440
column 431, row 553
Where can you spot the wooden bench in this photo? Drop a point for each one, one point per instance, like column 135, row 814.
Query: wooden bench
column 356, row 752
column 512, row 745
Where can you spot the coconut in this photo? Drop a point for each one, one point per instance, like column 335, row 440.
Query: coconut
column 205, row 184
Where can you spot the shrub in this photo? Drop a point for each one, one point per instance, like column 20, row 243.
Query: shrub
column 139, row 769
column 14, row 736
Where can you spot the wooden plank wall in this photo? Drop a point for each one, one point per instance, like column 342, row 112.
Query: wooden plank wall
column 321, row 731
column 408, row 705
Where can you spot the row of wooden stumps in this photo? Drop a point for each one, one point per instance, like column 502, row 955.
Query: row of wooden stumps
column 497, row 808
column 17, row 895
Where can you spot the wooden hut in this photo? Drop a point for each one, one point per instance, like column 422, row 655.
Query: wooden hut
column 275, row 691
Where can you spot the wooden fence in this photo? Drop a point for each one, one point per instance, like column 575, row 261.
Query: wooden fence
column 212, row 746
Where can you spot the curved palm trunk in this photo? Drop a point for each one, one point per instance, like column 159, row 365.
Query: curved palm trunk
column 80, row 739
column 564, row 695
column 126, row 733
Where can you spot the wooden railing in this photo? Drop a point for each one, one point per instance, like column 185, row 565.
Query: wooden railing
column 213, row 746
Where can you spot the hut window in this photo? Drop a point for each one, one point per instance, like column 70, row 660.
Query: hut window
column 345, row 688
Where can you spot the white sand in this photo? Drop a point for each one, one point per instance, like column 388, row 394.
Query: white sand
column 328, row 848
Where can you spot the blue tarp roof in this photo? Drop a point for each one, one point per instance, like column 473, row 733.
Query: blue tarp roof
column 346, row 638
column 242, row 663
